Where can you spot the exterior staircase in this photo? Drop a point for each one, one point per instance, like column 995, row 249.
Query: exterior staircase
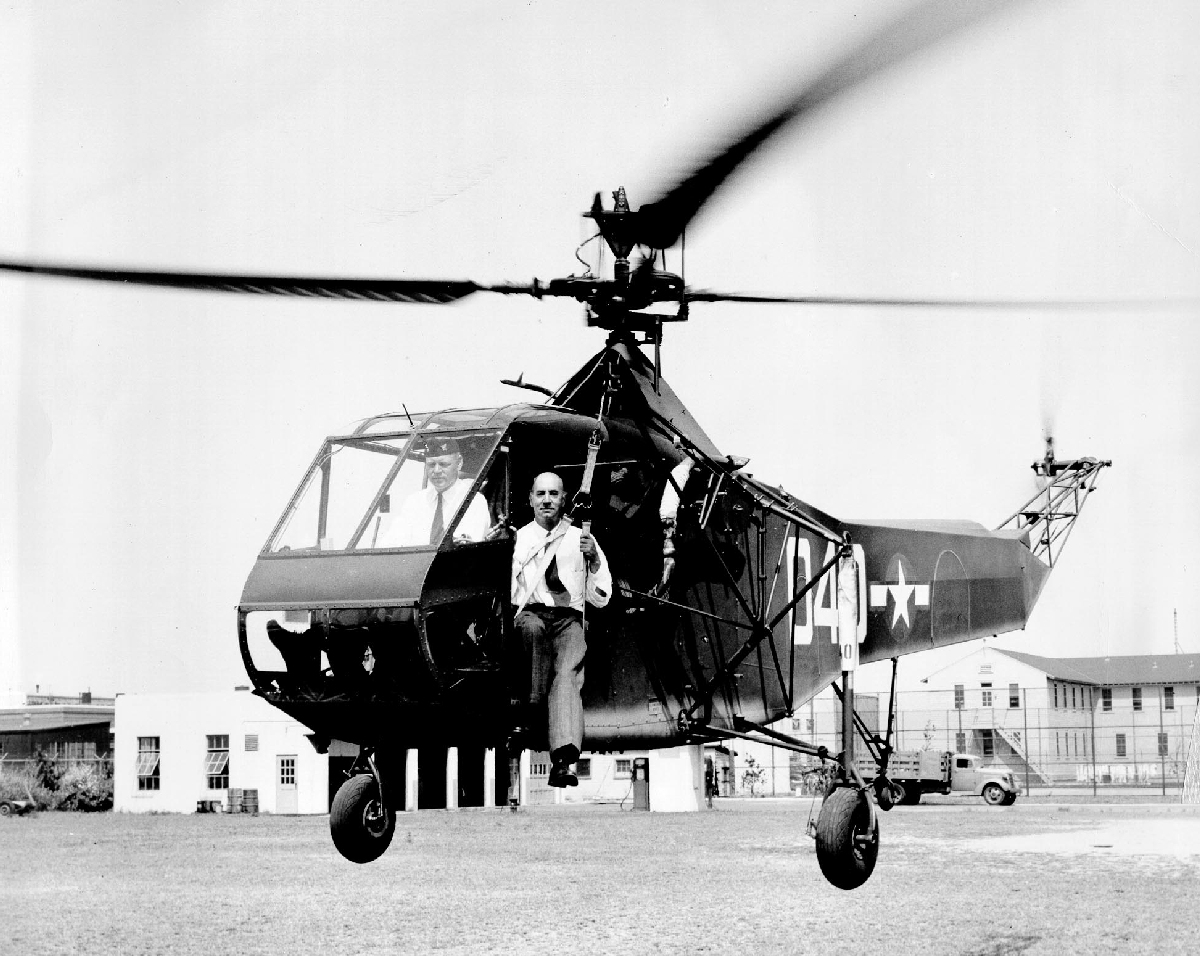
column 1013, row 739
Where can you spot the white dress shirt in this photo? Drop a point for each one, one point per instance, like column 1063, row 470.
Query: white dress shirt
column 532, row 552
column 415, row 520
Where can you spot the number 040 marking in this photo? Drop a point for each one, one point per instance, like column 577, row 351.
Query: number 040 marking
column 821, row 612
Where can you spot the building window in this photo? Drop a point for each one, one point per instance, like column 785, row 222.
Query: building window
column 1162, row 744
column 148, row 763
column 1136, row 692
column 73, row 749
column 989, row 743
column 1057, row 745
column 959, row 697
column 1106, row 698
column 216, row 766
column 987, row 694
column 1120, row 745
column 1056, row 694
column 287, row 771
column 1014, row 695
column 622, row 769
column 1168, row 698
column 251, row 743
column 1072, row 695
column 583, row 768
column 960, row 742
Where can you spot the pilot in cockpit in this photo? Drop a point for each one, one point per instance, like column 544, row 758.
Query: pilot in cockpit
column 423, row 517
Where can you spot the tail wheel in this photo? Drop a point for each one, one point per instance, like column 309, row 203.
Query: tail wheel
column 847, row 838
column 912, row 796
column 888, row 793
column 360, row 824
column 994, row 794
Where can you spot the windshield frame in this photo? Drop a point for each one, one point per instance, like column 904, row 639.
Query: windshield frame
column 376, row 442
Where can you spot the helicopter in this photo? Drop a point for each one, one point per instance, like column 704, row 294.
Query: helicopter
column 751, row 603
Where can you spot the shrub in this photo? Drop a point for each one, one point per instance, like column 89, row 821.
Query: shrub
column 84, row 787
column 23, row 784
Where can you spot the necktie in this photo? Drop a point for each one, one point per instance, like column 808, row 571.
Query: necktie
column 439, row 522
column 554, row 583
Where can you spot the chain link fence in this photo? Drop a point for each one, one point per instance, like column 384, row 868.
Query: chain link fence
column 1089, row 741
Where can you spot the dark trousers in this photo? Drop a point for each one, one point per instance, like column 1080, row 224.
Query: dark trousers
column 553, row 637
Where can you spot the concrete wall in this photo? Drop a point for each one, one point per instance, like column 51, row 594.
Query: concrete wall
column 183, row 722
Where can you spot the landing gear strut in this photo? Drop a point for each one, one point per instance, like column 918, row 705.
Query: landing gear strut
column 848, row 826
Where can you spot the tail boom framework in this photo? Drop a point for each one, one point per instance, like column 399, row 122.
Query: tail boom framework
column 1050, row 515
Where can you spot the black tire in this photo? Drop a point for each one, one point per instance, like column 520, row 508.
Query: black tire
column 1009, row 800
column 847, row 838
column 5, row 809
column 889, row 794
column 899, row 793
column 994, row 794
column 360, row 825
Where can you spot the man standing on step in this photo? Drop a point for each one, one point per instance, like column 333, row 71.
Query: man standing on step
column 557, row 568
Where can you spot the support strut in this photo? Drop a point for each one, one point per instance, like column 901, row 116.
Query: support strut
column 761, row 631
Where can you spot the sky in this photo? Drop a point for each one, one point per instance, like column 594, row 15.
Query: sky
column 1051, row 153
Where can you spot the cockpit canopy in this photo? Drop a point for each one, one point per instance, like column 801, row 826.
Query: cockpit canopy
column 386, row 487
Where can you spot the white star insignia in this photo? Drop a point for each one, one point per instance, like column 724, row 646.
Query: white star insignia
column 901, row 592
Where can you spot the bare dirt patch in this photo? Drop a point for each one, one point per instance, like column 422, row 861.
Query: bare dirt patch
column 963, row 880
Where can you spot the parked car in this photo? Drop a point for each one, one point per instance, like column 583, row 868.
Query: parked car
column 10, row 808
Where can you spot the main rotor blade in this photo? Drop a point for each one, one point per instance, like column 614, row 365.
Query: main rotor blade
column 1042, row 305
column 427, row 291
column 661, row 222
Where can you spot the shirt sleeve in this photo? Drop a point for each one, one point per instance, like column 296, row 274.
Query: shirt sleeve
column 520, row 553
column 599, row 583
column 475, row 523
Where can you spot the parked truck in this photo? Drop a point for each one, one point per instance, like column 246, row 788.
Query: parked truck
column 916, row 772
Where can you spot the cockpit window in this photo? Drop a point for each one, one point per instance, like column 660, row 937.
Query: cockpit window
column 391, row 491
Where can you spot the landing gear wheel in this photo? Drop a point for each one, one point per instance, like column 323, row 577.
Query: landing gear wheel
column 847, row 838
column 360, row 824
column 993, row 795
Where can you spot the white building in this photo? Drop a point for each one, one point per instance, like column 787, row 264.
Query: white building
column 174, row 751
column 177, row 752
column 1115, row 719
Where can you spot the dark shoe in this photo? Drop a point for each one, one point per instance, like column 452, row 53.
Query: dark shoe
column 563, row 776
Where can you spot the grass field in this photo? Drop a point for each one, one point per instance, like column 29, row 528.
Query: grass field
column 961, row 879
